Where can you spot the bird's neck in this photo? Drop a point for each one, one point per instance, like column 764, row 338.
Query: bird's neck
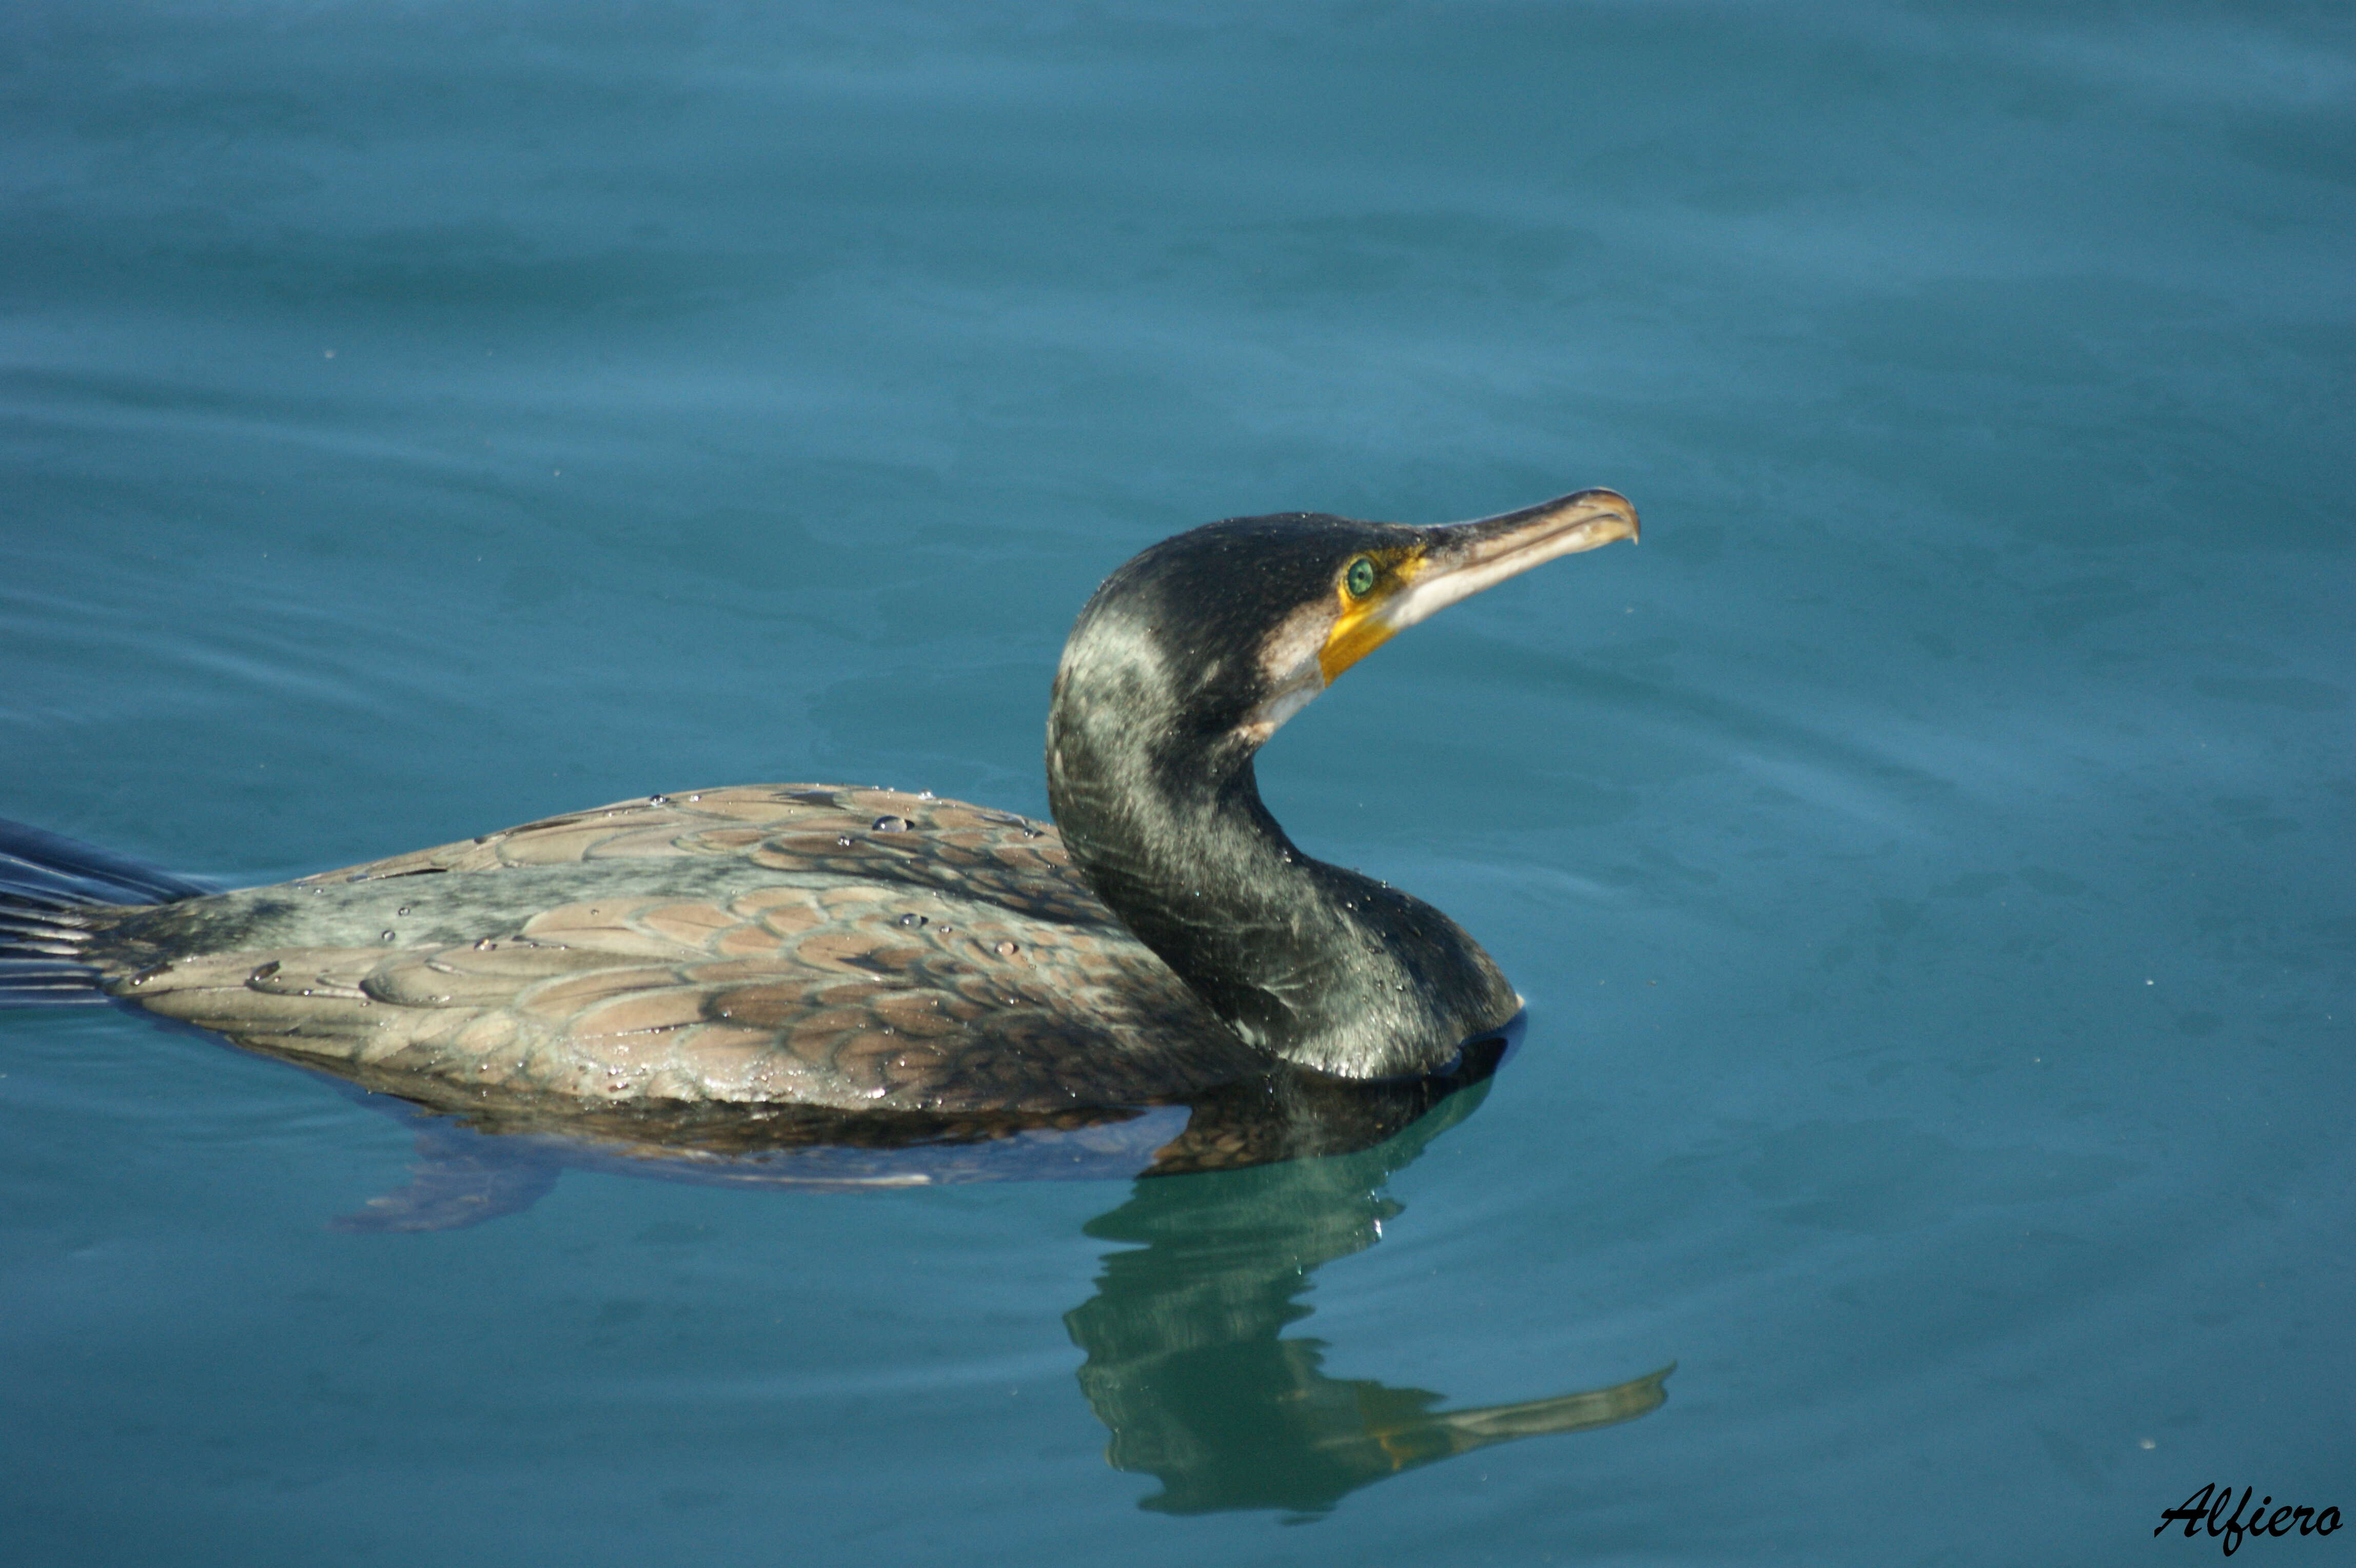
column 1312, row 964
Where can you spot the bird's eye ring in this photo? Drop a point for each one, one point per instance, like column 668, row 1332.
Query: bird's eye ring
column 1360, row 579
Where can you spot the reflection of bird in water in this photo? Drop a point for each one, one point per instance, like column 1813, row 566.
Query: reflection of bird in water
column 1186, row 1368
column 1286, row 1114
column 684, row 967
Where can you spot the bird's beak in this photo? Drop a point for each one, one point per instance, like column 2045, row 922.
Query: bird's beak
column 1459, row 558
column 1466, row 557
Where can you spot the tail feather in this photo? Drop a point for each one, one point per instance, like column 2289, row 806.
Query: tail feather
column 52, row 871
column 23, row 934
column 33, row 983
column 46, row 881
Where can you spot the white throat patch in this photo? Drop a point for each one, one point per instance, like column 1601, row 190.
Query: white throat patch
column 1288, row 662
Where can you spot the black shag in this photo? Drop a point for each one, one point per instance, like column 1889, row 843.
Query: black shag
column 859, row 950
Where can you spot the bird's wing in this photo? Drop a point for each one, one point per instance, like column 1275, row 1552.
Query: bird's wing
column 881, row 835
column 966, row 970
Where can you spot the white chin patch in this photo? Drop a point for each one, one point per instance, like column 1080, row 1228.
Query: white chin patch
column 1295, row 694
column 1288, row 661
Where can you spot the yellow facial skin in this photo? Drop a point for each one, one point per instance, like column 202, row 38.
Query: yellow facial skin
column 1361, row 627
column 1397, row 586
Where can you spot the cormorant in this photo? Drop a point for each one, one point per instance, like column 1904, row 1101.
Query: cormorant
column 863, row 951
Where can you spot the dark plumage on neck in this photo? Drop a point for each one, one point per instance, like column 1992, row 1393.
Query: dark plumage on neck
column 1181, row 666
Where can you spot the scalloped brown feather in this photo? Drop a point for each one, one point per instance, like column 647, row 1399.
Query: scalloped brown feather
column 861, row 949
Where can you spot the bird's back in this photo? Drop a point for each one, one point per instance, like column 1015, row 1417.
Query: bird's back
column 856, row 949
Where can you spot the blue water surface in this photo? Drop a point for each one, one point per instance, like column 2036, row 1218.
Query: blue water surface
column 1926, row 857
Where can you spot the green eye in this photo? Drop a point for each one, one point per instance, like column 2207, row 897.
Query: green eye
column 1361, row 578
